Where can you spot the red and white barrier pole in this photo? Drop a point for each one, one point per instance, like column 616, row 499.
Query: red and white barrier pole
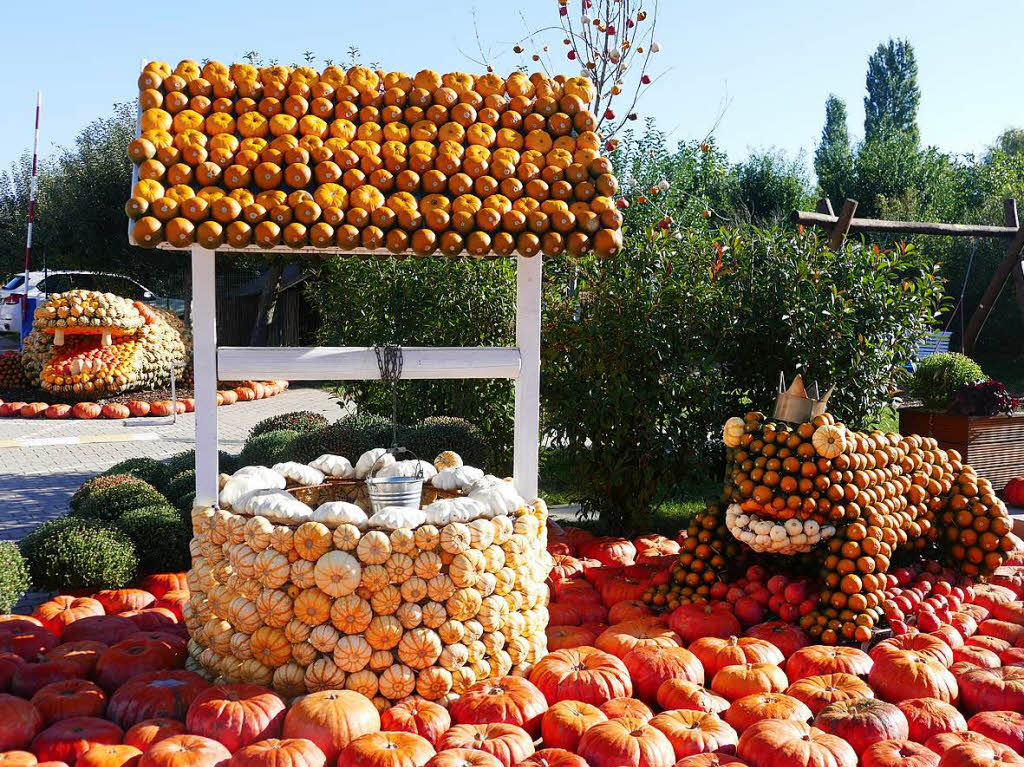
column 31, row 210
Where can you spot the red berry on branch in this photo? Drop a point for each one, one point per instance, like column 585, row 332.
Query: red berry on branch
column 563, row 11
column 622, row 203
column 571, row 55
column 609, row 114
column 610, row 30
column 646, row 79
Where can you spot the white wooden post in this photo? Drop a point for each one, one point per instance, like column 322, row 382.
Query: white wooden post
column 526, row 455
column 204, row 357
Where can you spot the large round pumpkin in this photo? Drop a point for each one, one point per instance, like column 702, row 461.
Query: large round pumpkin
column 186, row 751
column 553, row 757
column 898, row 753
column 26, row 640
column 72, row 697
column 30, row 678
column 21, row 722
column 291, row 752
column 331, row 719
column 711, row 760
column 925, row 644
column 815, row 660
column 901, row 674
column 626, row 743
column 740, row 680
column 863, row 722
column 583, row 674
column 84, row 654
column 166, row 694
column 1006, row 727
column 423, row 717
column 510, row 699
column 693, row 621
column 109, row 629
column 786, row 636
column 650, row 666
column 121, row 600
column 131, row 657
column 944, row 741
column 564, row 723
column 62, row 611
column 930, row 716
column 236, row 714
column 626, row 708
column 508, row 743
column 150, row 731
column 463, row 757
column 819, row 691
column 563, row 637
column 116, row 755
column 682, row 693
column 981, row 755
column 387, row 749
column 785, row 743
column 751, row 709
column 68, row 739
column 993, row 689
column 623, row 637
column 160, row 583
column 715, row 653
column 695, row 732
column 18, row 759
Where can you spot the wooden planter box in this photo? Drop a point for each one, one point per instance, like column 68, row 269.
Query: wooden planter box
column 994, row 446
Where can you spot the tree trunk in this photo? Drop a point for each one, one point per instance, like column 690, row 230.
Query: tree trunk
column 268, row 297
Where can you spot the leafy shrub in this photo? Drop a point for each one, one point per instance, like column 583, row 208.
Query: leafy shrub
column 301, row 421
column 269, row 448
column 111, row 502
column 940, row 376
column 181, row 485
column 76, row 553
column 14, row 579
column 228, row 462
column 185, row 504
column 350, row 436
column 147, row 469
column 433, row 435
column 984, row 398
column 101, row 482
column 160, row 536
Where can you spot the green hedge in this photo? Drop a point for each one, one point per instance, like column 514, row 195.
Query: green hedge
column 76, row 553
column 148, row 470
column 186, row 461
column 436, row 434
column 109, row 503
column 101, row 482
column 14, row 578
column 181, row 485
column 301, row 421
column 160, row 536
column 269, row 448
column 940, row 376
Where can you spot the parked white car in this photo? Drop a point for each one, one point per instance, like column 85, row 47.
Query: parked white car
column 42, row 284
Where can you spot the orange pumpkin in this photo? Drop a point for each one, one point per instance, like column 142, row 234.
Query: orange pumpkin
column 626, row 708
column 17, row 759
column 71, row 697
column 715, row 653
column 583, row 674
column 422, row 717
column 68, row 739
column 734, row 682
column 711, row 760
column 898, row 753
column 122, row 600
column 110, row 756
column 751, row 709
column 650, row 666
column 927, row 717
column 695, row 732
column 331, row 719
column 564, row 637
column 819, row 691
column 682, row 693
column 236, row 714
column 508, row 743
column 131, row 657
column 816, row 660
column 293, row 752
column 945, row 741
column 623, row 637
column 509, row 700
column 900, row 674
column 553, row 757
column 1006, row 727
column 150, row 731
column 186, row 751
column 924, row 644
column 62, row 611
column 463, row 757
column 980, row 755
column 993, row 689
column 387, row 749
column 163, row 694
column 863, row 722
column 785, row 743
column 84, row 654
column 626, row 743
column 564, row 723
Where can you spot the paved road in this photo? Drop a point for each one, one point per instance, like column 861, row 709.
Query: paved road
column 36, row 481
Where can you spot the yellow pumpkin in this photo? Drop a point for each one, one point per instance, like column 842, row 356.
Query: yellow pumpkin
column 289, row 679
column 303, row 653
column 352, row 653
column 397, row 681
column 434, row 615
column 829, row 440
column 434, row 683
column 386, row 601
column 351, row 614
column 271, row 568
column 455, row 538
column 346, row 537
column 462, row 679
column 274, row 607
column 452, row 631
column 243, row 615
column 374, row 548
column 324, row 638
column 323, row 674
column 733, row 431
column 403, row 541
column 312, row 540
column 441, row 587
column 301, row 574
column 481, row 533
column 427, row 565
column 240, row 647
column 374, row 578
column 463, row 604
column 364, row 682
column 414, row 589
column 493, row 613
column 384, row 632
column 466, row 568
column 270, row 647
column 399, row 567
column 427, row 537
column 297, row 631
column 409, row 614
column 312, row 606
column 253, row 672
column 337, row 573
column 419, row 648
column 282, row 539
column 381, row 659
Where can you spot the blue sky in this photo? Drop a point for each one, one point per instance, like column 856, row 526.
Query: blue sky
column 774, row 62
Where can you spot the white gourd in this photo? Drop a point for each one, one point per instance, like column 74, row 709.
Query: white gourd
column 497, row 496
column 276, row 505
column 243, row 484
column 336, row 513
column 377, row 455
column 457, row 478
column 299, row 473
column 334, row 466
column 395, row 517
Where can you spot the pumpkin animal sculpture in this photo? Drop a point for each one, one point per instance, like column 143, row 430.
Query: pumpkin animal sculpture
column 846, row 501
column 85, row 343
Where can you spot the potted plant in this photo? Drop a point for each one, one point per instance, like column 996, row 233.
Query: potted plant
column 965, row 410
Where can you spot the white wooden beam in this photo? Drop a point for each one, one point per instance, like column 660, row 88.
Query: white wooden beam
column 204, row 358
column 355, row 363
column 526, row 451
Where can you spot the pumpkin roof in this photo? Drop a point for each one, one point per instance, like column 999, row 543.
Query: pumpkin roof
column 364, row 161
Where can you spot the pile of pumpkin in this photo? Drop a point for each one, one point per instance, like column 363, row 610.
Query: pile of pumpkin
column 99, row 682
column 239, row 156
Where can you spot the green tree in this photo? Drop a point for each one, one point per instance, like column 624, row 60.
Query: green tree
column 833, row 159
column 893, row 96
column 769, row 186
column 1010, row 142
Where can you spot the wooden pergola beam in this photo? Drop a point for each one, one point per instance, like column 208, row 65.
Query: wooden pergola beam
column 827, row 221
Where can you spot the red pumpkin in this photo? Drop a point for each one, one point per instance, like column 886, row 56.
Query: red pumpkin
column 626, row 708
column 293, row 752
column 785, row 743
column 625, row 588
column 695, row 732
column 150, row 731
column 628, row 610
column 137, row 408
column 994, row 644
column 742, row 679
column 186, row 751
column 62, row 611
column 1013, row 656
column 72, row 697
column 988, row 596
column 561, row 637
column 949, row 635
column 980, row 755
column 976, row 656
column 131, row 657
column 25, row 640
column 508, row 743
column 423, row 717
column 115, row 411
column 21, row 722
column 626, row 743
column 711, row 760
column 109, row 629
column 751, row 709
column 68, row 739
column 902, row 674
column 898, row 753
column 32, row 677
column 110, row 756
column 160, row 583
column 644, row 632
column 993, row 689
column 1006, row 727
column 152, row 618
column 1011, row 632
column 509, row 700
column 163, row 694
column 564, row 723
column 574, row 591
column 1013, row 492
column 964, row 623
column 120, row 600
column 331, row 719
column 174, row 601
column 57, row 412
column 563, row 614
column 819, row 691
column 9, row 663
column 924, row 644
column 681, row 693
column 610, row 552
column 236, row 714
column 693, row 621
column 816, row 660
column 552, row 757
column 945, row 741
column 583, row 674
column 591, row 612
column 86, row 410
column 863, row 722
column 85, row 655
column 715, row 653
column 463, row 757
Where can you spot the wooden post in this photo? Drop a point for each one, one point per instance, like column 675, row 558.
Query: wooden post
column 204, row 361
column 824, row 207
column 1011, row 262
column 842, row 227
column 526, row 451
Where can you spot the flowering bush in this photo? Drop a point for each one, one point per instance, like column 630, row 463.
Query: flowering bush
column 984, row 398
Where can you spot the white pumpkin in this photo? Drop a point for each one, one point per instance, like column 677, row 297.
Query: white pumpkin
column 334, row 466
column 456, row 478
column 377, row 455
column 446, row 510
column 497, row 496
column 449, row 459
column 333, row 514
column 276, row 505
column 407, row 469
column 337, row 573
column 299, row 473
column 242, row 484
column 395, row 517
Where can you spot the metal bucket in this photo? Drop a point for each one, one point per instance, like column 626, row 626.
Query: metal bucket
column 394, row 491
